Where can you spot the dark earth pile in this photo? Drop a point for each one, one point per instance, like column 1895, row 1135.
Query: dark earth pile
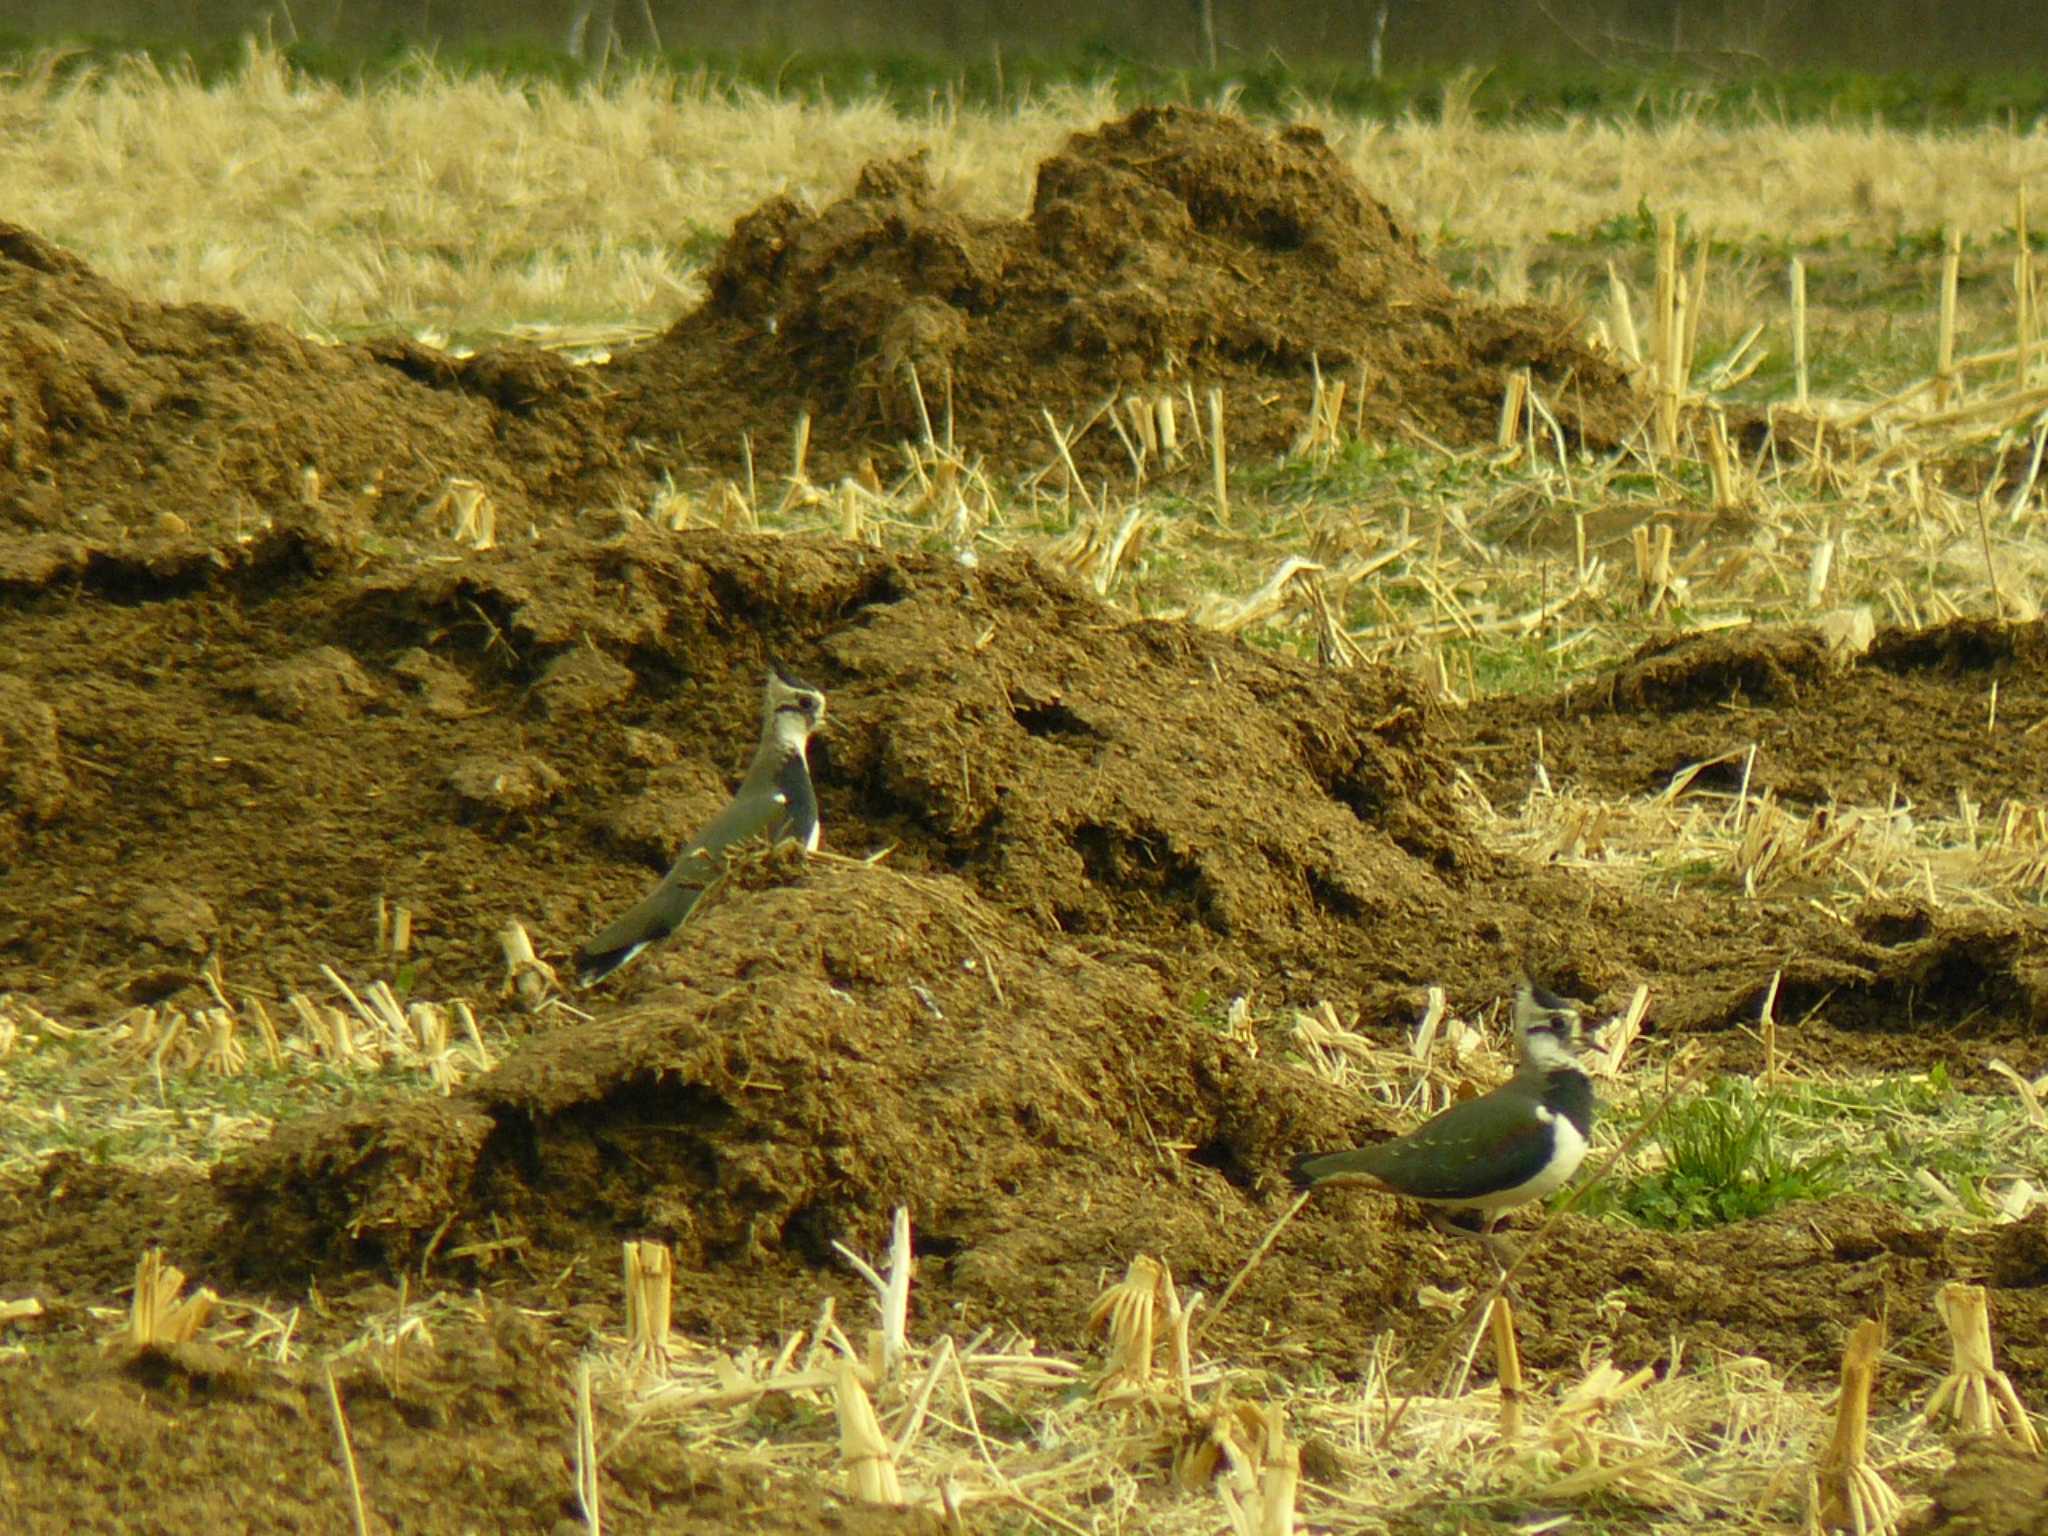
column 236, row 708
column 1172, row 249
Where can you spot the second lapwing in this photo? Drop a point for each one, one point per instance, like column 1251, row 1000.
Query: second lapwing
column 774, row 800
column 1518, row 1143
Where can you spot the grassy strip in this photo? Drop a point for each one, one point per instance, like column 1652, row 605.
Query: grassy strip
column 1738, row 1152
column 1505, row 93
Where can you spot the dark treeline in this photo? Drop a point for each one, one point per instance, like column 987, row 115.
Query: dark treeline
column 1714, row 37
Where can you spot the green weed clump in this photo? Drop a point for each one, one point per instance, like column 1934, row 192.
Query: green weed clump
column 1723, row 1161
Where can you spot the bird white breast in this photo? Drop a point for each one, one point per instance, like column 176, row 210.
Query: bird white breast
column 792, row 733
column 1567, row 1151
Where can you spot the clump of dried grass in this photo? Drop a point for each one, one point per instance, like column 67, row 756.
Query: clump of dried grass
column 1183, row 1444
column 1958, row 857
column 137, row 1083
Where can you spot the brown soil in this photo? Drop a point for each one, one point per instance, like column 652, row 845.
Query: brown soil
column 176, row 432
column 199, row 1437
column 237, row 707
column 1993, row 1490
column 1172, row 249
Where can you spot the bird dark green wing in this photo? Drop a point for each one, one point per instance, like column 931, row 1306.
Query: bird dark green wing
column 755, row 810
column 764, row 804
column 1468, row 1152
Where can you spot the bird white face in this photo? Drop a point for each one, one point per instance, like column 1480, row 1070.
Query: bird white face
column 790, row 710
column 1548, row 1027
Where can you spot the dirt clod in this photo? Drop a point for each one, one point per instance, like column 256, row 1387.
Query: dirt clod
column 34, row 786
column 1992, row 1490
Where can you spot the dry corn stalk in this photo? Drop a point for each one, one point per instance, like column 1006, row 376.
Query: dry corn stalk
column 224, row 1054
column 1179, row 1315
column 1571, row 1424
column 1850, row 1496
column 588, row 1496
column 348, row 1454
column 2037, row 1114
column 1219, row 462
column 1847, row 631
column 525, row 972
column 1225, row 1440
column 1514, row 405
column 1976, row 1395
column 475, row 516
column 429, row 1025
column 1655, row 582
column 273, row 1048
column 1125, row 1311
column 1945, row 382
column 328, row 1034
column 1098, row 554
column 650, row 1273
column 477, row 1048
column 1322, row 434
column 1129, row 1311
column 1281, row 1480
column 1667, row 337
column 1507, row 1369
column 870, row 1463
column 1799, row 368
column 1276, row 1462
column 892, row 1295
column 1618, row 1034
column 156, row 1317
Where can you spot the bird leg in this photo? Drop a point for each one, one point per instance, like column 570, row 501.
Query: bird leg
column 1448, row 1225
column 1498, row 1248
column 1501, row 1251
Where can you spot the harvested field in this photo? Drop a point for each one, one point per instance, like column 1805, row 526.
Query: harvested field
column 320, row 664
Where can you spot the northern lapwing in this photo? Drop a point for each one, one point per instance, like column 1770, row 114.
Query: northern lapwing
column 775, row 799
column 1518, row 1143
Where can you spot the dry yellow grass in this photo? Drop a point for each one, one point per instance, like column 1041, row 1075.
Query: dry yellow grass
column 474, row 205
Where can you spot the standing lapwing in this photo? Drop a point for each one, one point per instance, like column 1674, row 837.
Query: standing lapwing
column 774, row 799
column 1518, row 1143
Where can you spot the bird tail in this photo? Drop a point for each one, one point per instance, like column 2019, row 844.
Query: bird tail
column 1317, row 1169
column 621, row 940
column 592, row 966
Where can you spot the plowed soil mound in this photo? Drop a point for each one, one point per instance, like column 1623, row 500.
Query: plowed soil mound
column 1101, row 829
column 1173, row 248
column 241, row 703
column 204, row 1438
column 175, row 430
column 1912, row 718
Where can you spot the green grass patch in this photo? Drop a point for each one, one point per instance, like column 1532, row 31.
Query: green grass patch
column 1724, row 1160
column 1737, row 1152
column 76, row 1096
